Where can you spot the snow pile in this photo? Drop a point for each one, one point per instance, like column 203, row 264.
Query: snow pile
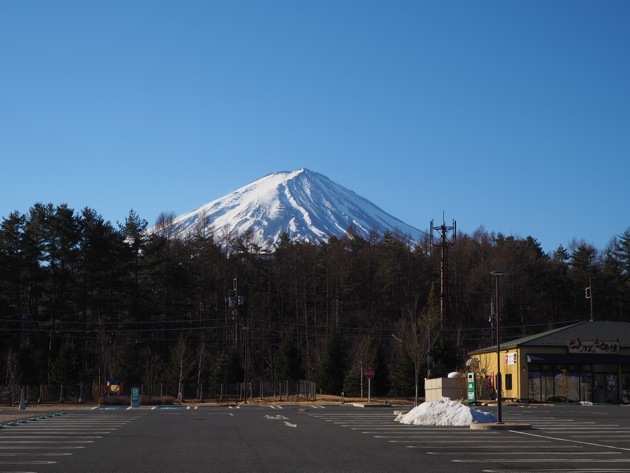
column 445, row 412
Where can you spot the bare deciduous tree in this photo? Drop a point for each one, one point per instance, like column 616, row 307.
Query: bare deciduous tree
column 415, row 329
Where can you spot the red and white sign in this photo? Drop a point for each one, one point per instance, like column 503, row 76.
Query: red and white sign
column 369, row 373
column 511, row 359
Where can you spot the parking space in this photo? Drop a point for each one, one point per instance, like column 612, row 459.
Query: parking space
column 584, row 439
column 331, row 438
column 46, row 440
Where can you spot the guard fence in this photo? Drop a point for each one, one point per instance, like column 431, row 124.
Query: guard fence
column 161, row 393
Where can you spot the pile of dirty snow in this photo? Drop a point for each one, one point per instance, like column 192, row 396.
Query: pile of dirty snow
column 445, row 412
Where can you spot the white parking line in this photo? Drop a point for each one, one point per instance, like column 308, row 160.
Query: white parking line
column 26, row 462
column 600, row 428
column 54, row 437
column 542, row 460
column 73, row 433
column 21, row 447
column 592, row 444
column 36, row 454
column 573, row 454
column 474, row 448
column 459, row 442
column 563, row 470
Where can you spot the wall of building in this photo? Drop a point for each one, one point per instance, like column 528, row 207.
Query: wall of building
column 513, row 372
column 453, row 388
column 572, row 381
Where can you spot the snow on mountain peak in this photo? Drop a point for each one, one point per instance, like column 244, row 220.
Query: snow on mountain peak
column 305, row 205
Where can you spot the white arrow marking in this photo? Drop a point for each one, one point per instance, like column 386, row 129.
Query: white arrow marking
column 278, row 417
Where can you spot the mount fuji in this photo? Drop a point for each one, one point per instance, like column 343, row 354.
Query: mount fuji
column 305, row 205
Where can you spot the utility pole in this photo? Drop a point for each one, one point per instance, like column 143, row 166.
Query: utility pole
column 443, row 241
column 235, row 302
column 588, row 293
column 497, row 273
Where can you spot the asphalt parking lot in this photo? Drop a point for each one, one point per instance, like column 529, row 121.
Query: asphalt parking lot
column 296, row 438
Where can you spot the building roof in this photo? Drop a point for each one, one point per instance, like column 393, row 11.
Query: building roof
column 595, row 330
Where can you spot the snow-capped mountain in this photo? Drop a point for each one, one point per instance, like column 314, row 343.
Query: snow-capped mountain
column 306, row 205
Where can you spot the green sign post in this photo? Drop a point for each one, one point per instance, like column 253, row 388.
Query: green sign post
column 472, row 392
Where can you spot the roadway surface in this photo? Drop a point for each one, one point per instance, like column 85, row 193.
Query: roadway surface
column 315, row 439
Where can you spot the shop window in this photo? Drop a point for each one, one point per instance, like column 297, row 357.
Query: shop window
column 508, row 382
column 547, row 386
column 586, row 387
column 534, row 386
column 625, row 386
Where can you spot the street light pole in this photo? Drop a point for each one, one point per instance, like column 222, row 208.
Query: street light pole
column 497, row 273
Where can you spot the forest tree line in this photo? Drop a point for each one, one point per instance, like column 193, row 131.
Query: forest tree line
column 83, row 300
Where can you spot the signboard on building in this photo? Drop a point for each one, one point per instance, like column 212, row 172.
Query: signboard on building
column 594, row 347
column 511, row 358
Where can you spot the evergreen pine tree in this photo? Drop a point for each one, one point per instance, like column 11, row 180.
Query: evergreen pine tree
column 622, row 252
column 381, row 383
column 226, row 369
column 402, row 375
column 217, row 373
column 444, row 352
column 332, row 371
column 127, row 363
column 66, row 367
column 352, row 381
column 289, row 362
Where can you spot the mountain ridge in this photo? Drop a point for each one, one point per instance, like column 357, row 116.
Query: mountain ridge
column 304, row 204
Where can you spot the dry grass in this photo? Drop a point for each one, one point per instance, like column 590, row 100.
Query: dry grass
column 9, row 414
column 13, row 413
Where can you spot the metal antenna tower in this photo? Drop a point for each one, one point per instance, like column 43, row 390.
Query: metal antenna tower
column 443, row 241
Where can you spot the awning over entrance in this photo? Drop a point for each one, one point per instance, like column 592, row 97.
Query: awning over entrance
column 579, row 359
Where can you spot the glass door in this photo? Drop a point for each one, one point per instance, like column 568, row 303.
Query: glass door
column 612, row 388
column 599, row 388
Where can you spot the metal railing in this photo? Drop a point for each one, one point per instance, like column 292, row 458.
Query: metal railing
column 299, row 390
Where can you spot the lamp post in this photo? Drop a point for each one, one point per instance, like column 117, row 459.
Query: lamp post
column 497, row 273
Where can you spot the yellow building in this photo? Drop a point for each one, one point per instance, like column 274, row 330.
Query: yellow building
column 583, row 362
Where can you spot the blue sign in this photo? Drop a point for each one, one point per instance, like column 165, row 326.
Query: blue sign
column 135, row 397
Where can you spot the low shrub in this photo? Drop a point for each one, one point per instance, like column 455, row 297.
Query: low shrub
column 115, row 401
column 144, row 401
column 157, row 400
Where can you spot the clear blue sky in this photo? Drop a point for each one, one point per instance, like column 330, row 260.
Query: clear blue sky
column 514, row 116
